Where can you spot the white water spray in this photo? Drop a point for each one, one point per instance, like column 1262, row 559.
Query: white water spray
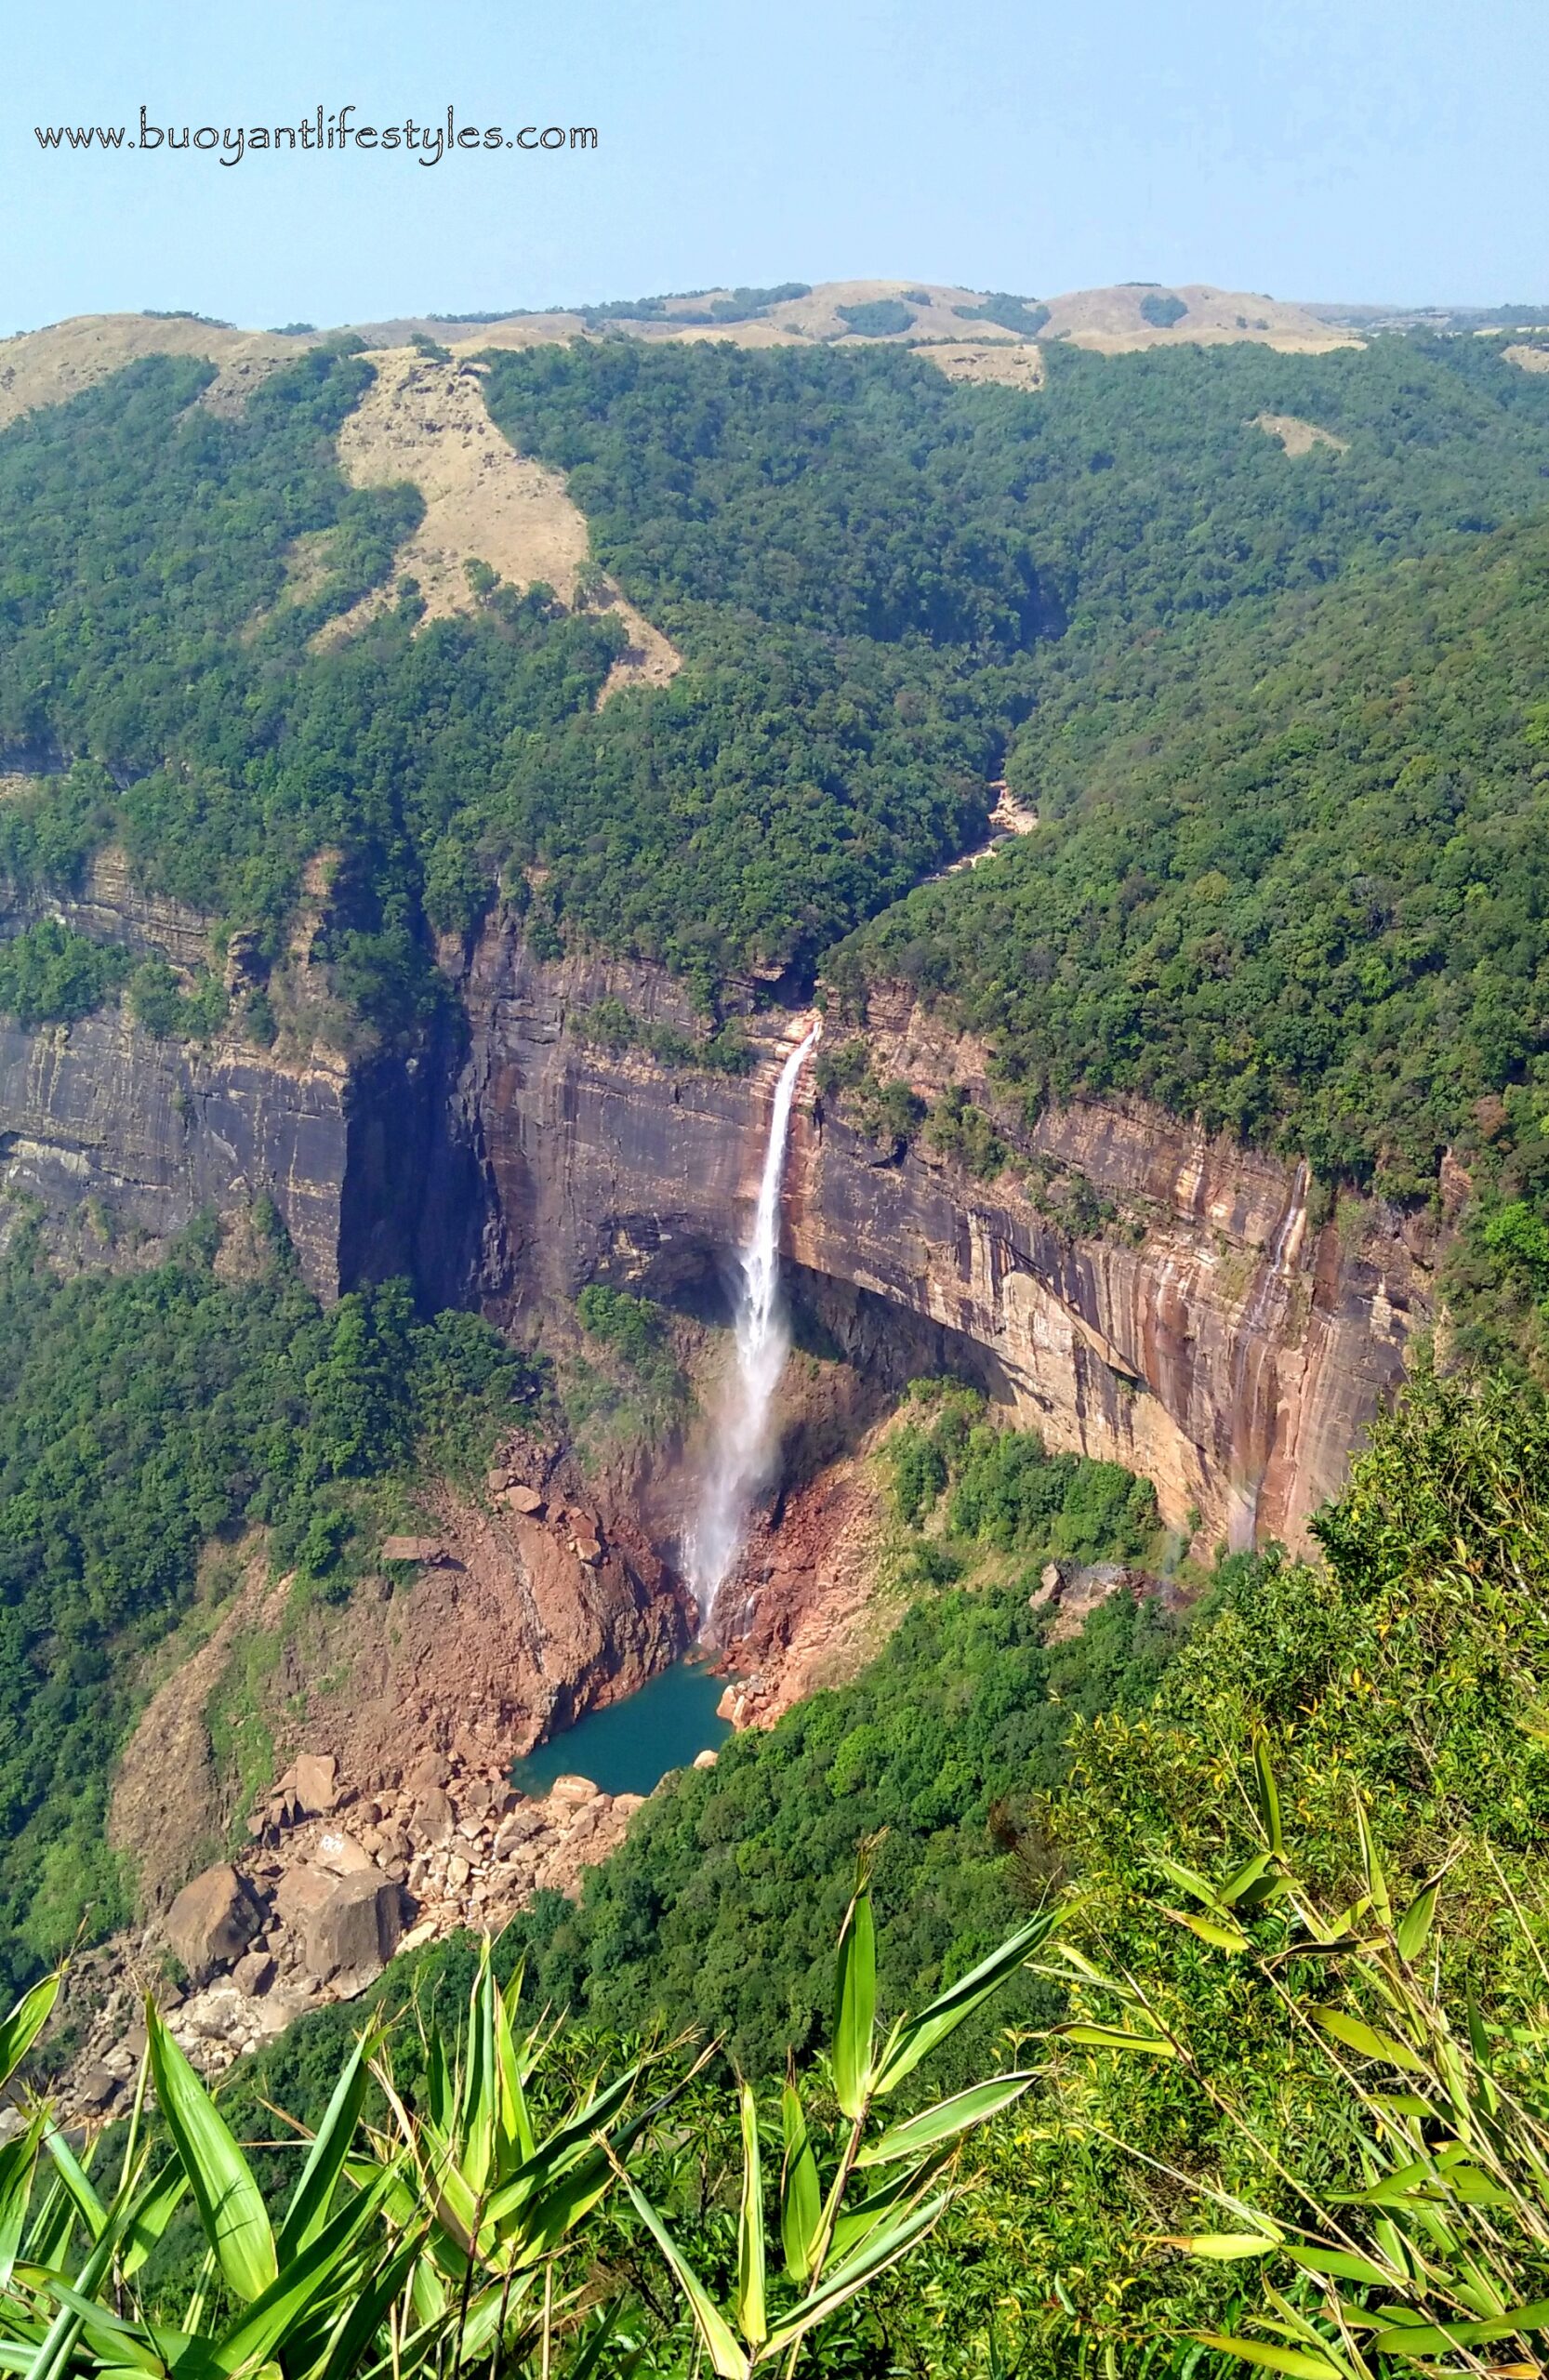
column 739, row 1460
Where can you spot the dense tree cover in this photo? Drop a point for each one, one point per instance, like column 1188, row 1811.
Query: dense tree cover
column 1290, row 874
column 50, row 974
column 1007, row 1489
column 140, row 1416
column 860, row 559
column 628, row 1382
column 862, row 493
column 721, row 1907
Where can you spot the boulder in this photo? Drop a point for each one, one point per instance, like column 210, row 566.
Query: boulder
column 706, row 1758
column 516, row 1830
column 429, row 1770
column 413, row 1549
column 729, row 1700
column 212, row 1921
column 341, row 1855
column 497, row 1479
column 353, row 1934
column 574, row 1791
column 300, row 1892
column 520, row 1498
column 316, row 1783
column 588, row 1550
column 433, row 1821
column 254, row 1974
column 96, row 2089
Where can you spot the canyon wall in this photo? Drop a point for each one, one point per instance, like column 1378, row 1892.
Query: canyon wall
column 122, row 1138
column 1208, row 1331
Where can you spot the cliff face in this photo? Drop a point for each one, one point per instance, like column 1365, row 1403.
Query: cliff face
column 1207, row 1333
column 123, row 1138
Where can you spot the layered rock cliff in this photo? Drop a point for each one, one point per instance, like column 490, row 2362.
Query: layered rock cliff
column 1209, row 1332
column 122, row 1137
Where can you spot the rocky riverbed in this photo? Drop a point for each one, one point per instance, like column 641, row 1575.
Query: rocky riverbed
column 337, row 1882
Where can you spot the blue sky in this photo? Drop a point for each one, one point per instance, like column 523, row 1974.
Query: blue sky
column 1359, row 149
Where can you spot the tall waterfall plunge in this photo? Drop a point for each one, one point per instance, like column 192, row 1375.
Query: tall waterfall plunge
column 740, row 1455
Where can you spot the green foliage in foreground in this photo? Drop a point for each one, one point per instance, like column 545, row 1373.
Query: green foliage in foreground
column 140, row 1416
column 500, row 2208
column 720, row 1907
column 1441, row 2116
column 1399, row 1688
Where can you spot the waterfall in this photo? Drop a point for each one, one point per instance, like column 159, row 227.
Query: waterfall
column 739, row 1457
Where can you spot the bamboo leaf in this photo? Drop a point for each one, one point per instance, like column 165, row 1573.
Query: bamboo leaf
column 300, row 2290
column 17, row 2168
column 152, row 2215
column 358, row 2327
column 727, row 2357
column 748, row 2302
column 231, row 2205
column 1219, row 1937
column 855, row 2001
column 903, row 2192
column 1268, row 1794
column 914, row 2037
column 1220, row 2247
column 1187, row 1880
column 1415, row 1923
column 1340, row 2265
column 800, row 2199
column 311, row 2199
column 73, row 2175
column 1376, row 1882
column 21, row 2028
column 1273, row 2358
column 1245, row 1879
column 945, row 2120
column 481, row 2083
column 846, row 2280
column 1366, row 2041
column 1117, row 2037
column 1440, row 2338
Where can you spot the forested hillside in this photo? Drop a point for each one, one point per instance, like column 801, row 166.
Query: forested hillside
column 142, row 1417
column 875, row 575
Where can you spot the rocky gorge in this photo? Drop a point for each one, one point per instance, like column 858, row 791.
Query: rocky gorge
column 1204, row 1324
column 1136, row 1290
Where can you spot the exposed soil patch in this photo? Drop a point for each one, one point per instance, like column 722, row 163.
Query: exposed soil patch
column 1296, row 436
column 1013, row 366
column 427, row 422
column 811, row 1575
column 170, row 1807
column 1528, row 359
column 509, row 1635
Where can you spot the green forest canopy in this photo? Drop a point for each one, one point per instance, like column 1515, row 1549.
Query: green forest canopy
column 875, row 575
